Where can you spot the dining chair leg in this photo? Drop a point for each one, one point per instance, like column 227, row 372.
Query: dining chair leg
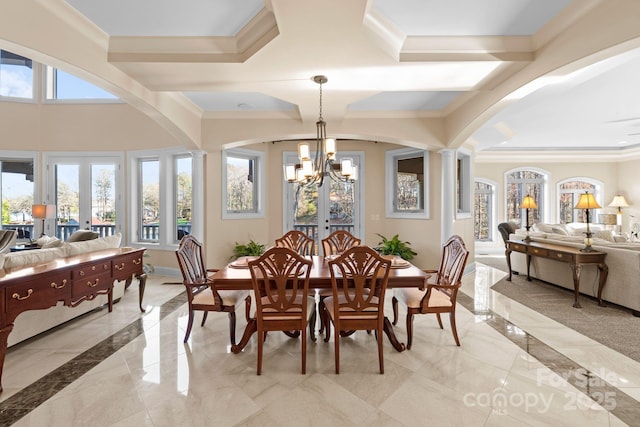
column 323, row 315
column 439, row 320
column 394, row 304
column 232, row 327
column 336, row 341
column 304, row 350
column 261, row 336
column 327, row 330
column 409, row 328
column 452, row 318
column 189, row 325
column 312, row 325
column 380, row 354
column 204, row 318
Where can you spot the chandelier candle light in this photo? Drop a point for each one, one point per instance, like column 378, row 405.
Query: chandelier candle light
column 310, row 171
column 586, row 202
column 528, row 203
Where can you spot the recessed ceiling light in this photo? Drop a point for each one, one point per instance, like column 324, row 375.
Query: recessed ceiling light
column 503, row 142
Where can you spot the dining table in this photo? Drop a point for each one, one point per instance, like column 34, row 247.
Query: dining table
column 236, row 276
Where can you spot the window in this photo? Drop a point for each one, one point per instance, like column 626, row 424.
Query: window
column 463, row 184
column 163, row 188
column 242, row 184
column 520, row 183
column 17, row 192
column 569, row 193
column 184, row 195
column 406, row 187
column 60, row 85
column 149, row 196
column 483, row 220
column 16, row 76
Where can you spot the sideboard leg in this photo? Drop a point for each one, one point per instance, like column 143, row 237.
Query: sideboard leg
column 604, row 272
column 142, row 282
column 4, row 335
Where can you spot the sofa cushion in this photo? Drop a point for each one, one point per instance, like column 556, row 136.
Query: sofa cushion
column 605, row 235
column 77, row 248
column 559, row 229
column 34, row 257
column 82, row 235
column 541, row 227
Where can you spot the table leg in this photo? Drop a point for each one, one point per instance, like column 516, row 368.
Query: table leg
column 507, row 254
column 575, row 268
column 604, row 272
column 249, row 330
column 388, row 329
column 528, row 268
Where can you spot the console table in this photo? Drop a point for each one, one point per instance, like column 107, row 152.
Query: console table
column 573, row 256
column 71, row 280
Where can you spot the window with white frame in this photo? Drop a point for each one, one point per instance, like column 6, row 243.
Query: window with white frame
column 463, row 184
column 62, row 86
column 520, row 183
column 18, row 192
column 569, row 192
column 483, row 217
column 242, row 183
column 406, row 171
column 162, row 189
column 16, row 76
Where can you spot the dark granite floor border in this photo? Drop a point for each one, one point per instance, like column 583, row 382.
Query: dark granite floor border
column 20, row 404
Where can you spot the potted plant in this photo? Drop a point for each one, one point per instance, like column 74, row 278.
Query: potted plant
column 250, row 249
column 395, row 246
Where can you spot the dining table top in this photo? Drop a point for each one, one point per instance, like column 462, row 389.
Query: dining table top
column 236, row 275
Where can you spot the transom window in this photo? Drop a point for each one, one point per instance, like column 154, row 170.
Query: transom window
column 16, row 76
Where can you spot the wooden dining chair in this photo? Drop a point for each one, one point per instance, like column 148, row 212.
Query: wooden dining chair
column 280, row 279
column 201, row 293
column 297, row 241
column 441, row 291
column 335, row 244
column 359, row 280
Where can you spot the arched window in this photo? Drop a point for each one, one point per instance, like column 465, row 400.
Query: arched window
column 520, row 183
column 569, row 192
column 483, row 210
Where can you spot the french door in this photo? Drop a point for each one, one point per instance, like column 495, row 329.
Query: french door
column 87, row 193
column 319, row 211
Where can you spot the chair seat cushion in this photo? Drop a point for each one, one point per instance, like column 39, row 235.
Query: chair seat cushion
column 412, row 297
column 229, row 298
column 328, row 302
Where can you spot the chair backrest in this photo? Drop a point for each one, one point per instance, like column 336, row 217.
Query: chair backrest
column 191, row 262
column 338, row 242
column 359, row 281
column 506, row 228
column 298, row 241
column 452, row 263
column 280, row 280
column 7, row 239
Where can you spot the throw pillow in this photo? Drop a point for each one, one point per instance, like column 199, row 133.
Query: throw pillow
column 77, row 248
column 605, row 235
column 544, row 228
column 559, row 229
column 53, row 242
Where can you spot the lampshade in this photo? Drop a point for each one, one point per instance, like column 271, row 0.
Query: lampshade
column 39, row 211
column 528, row 203
column 587, row 201
column 619, row 202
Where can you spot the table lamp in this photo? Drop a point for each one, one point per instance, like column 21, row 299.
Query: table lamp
column 586, row 202
column 619, row 202
column 43, row 212
column 528, row 203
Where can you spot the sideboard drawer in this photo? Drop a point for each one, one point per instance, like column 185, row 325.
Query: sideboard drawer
column 38, row 294
column 91, row 270
column 89, row 286
column 517, row 247
column 538, row 252
column 125, row 266
column 559, row 256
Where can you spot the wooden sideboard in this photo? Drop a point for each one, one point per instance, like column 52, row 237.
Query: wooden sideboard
column 71, row 280
column 573, row 256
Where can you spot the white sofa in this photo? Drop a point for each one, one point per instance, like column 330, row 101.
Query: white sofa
column 623, row 259
column 31, row 323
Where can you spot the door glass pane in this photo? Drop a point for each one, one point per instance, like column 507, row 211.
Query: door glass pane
column 67, row 200
column 103, row 203
column 341, row 207
column 17, row 197
column 306, row 210
column 150, row 180
column 183, row 196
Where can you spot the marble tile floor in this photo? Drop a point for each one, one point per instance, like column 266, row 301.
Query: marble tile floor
column 125, row 368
